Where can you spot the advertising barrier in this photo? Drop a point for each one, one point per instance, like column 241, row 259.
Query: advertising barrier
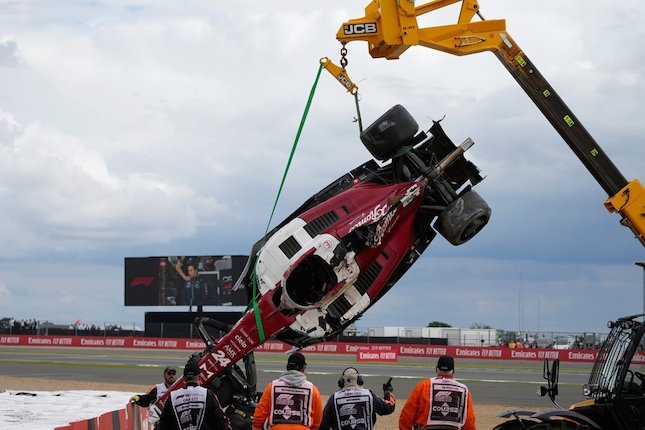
column 380, row 356
column 395, row 350
column 128, row 418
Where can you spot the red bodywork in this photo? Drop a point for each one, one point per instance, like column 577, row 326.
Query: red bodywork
column 359, row 206
column 321, row 268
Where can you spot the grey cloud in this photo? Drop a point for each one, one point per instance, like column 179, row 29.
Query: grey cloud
column 460, row 291
column 9, row 55
column 76, row 201
column 9, row 129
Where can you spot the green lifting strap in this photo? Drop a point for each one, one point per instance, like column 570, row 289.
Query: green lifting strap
column 256, row 309
column 358, row 114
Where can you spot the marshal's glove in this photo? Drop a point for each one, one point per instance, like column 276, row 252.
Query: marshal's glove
column 154, row 414
column 134, row 399
column 387, row 389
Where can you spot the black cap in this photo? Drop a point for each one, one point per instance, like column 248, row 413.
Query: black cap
column 446, row 363
column 191, row 369
column 296, row 360
column 169, row 368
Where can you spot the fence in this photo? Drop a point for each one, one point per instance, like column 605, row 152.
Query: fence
column 453, row 337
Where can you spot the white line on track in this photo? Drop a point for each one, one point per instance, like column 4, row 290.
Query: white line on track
column 496, row 381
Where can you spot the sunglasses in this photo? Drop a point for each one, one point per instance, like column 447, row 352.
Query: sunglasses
column 171, row 372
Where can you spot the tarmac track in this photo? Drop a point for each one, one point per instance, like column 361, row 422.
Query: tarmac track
column 512, row 383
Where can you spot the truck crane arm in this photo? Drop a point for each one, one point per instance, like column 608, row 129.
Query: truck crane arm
column 390, row 27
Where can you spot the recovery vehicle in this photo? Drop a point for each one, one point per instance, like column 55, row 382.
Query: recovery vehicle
column 615, row 391
column 390, row 27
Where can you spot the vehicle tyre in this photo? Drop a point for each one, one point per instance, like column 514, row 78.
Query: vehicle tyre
column 389, row 133
column 224, row 388
column 463, row 218
column 240, row 414
column 515, row 425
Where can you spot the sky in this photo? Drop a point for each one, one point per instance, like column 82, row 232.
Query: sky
column 158, row 127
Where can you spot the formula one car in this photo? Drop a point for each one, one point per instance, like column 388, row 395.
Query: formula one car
column 346, row 246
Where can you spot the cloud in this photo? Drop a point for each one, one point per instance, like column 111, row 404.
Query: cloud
column 57, row 294
column 461, row 291
column 65, row 195
column 9, row 128
column 9, row 56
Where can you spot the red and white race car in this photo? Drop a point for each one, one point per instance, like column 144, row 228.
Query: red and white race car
column 347, row 245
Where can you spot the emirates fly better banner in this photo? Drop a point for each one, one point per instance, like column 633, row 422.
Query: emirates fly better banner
column 385, row 352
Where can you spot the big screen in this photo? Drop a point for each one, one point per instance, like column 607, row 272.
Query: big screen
column 184, row 281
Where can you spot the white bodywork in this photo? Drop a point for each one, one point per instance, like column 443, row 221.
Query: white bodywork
column 273, row 268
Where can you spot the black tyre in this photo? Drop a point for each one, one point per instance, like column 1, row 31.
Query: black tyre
column 224, row 388
column 389, row 133
column 515, row 425
column 240, row 414
column 463, row 218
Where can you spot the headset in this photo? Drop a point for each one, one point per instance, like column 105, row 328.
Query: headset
column 359, row 378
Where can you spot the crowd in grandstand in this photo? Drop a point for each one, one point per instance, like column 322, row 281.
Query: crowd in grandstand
column 34, row 326
column 95, row 329
column 23, row 326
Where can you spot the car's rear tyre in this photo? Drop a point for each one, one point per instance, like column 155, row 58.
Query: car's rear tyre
column 463, row 218
column 389, row 133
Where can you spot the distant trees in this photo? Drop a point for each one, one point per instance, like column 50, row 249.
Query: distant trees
column 480, row 326
column 438, row 324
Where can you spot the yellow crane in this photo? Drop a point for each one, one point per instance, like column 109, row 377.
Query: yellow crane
column 390, row 27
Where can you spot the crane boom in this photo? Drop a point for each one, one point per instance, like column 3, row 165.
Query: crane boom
column 390, row 27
